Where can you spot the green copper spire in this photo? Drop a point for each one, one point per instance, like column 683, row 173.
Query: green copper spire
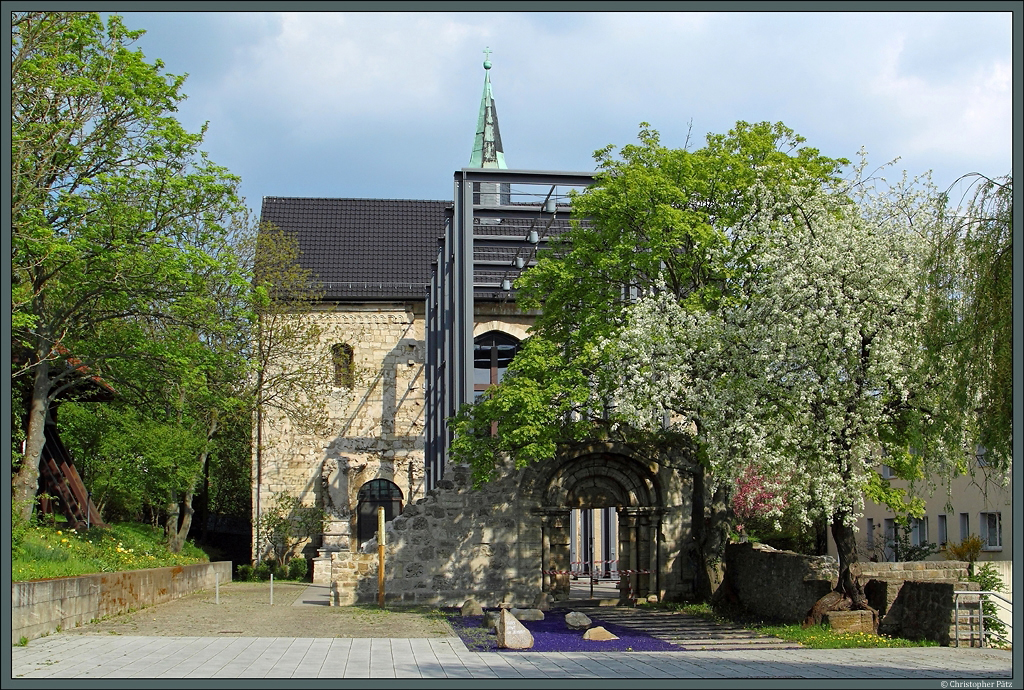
column 487, row 151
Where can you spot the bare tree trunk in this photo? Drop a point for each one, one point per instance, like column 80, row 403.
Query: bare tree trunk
column 177, row 534
column 171, row 522
column 26, row 482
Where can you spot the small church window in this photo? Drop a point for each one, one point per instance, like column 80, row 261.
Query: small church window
column 342, row 357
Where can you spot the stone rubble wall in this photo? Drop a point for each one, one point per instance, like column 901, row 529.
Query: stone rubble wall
column 883, row 581
column 925, row 610
column 778, row 585
column 914, row 570
column 455, row 543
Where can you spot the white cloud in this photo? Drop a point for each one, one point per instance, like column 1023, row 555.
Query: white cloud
column 318, row 67
column 968, row 115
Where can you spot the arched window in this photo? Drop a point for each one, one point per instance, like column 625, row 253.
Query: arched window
column 492, row 353
column 342, row 357
column 374, row 493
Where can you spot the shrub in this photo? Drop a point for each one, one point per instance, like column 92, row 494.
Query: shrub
column 263, row 571
column 967, row 550
column 989, row 579
column 245, row 573
column 297, row 568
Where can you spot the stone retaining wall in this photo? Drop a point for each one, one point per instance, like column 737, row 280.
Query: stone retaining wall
column 41, row 607
column 925, row 610
column 913, row 570
column 883, row 581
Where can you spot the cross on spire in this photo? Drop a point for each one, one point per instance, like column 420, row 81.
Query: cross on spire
column 487, row 57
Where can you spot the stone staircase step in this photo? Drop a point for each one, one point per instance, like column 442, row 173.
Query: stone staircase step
column 689, row 632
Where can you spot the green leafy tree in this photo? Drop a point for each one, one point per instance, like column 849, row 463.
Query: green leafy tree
column 970, row 272
column 292, row 366
column 117, row 218
column 687, row 220
column 286, row 523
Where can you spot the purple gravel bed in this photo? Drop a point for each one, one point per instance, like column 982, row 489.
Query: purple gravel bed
column 552, row 635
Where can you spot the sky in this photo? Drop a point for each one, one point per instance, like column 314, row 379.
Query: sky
column 385, row 105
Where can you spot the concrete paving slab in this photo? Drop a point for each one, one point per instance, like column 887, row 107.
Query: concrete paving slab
column 77, row 656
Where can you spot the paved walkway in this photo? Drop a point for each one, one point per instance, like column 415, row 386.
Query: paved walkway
column 122, row 656
column 88, row 656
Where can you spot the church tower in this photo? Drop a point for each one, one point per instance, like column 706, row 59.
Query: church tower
column 487, row 151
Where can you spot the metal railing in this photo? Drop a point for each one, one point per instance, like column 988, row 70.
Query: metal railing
column 1000, row 601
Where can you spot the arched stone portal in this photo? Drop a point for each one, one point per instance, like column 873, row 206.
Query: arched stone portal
column 602, row 476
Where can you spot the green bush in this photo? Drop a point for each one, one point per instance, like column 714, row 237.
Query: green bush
column 263, row 571
column 989, row 579
column 245, row 573
column 297, row 568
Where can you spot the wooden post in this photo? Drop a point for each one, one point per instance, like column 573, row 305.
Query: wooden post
column 380, row 556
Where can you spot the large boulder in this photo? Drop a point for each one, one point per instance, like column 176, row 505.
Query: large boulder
column 575, row 620
column 511, row 633
column 471, row 608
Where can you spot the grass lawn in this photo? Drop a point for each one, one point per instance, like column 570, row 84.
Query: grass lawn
column 815, row 636
column 44, row 552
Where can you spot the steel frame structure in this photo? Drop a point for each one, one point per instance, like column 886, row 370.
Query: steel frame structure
column 484, row 225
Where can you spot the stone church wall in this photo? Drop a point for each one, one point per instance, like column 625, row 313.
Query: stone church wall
column 376, row 428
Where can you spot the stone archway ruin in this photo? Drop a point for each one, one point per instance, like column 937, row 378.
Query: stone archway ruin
column 501, row 541
column 603, row 477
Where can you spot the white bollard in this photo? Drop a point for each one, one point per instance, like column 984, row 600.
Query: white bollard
column 216, row 588
column 271, row 589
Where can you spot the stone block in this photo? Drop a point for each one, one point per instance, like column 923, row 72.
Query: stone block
column 542, row 601
column 528, row 614
column 849, row 621
column 511, row 633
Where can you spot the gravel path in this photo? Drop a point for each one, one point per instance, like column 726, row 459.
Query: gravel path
column 245, row 611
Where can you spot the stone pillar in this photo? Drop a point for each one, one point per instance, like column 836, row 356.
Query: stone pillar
column 627, row 551
column 555, row 551
column 644, row 548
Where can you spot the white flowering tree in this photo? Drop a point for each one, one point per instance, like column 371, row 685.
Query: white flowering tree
column 688, row 217
column 814, row 372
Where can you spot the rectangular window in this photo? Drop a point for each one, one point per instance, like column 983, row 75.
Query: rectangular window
column 870, row 538
column 992, row 531
column 943, row 536
column 889, row 527
column 918, row 531
column 965, row 526
column 887, row 472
